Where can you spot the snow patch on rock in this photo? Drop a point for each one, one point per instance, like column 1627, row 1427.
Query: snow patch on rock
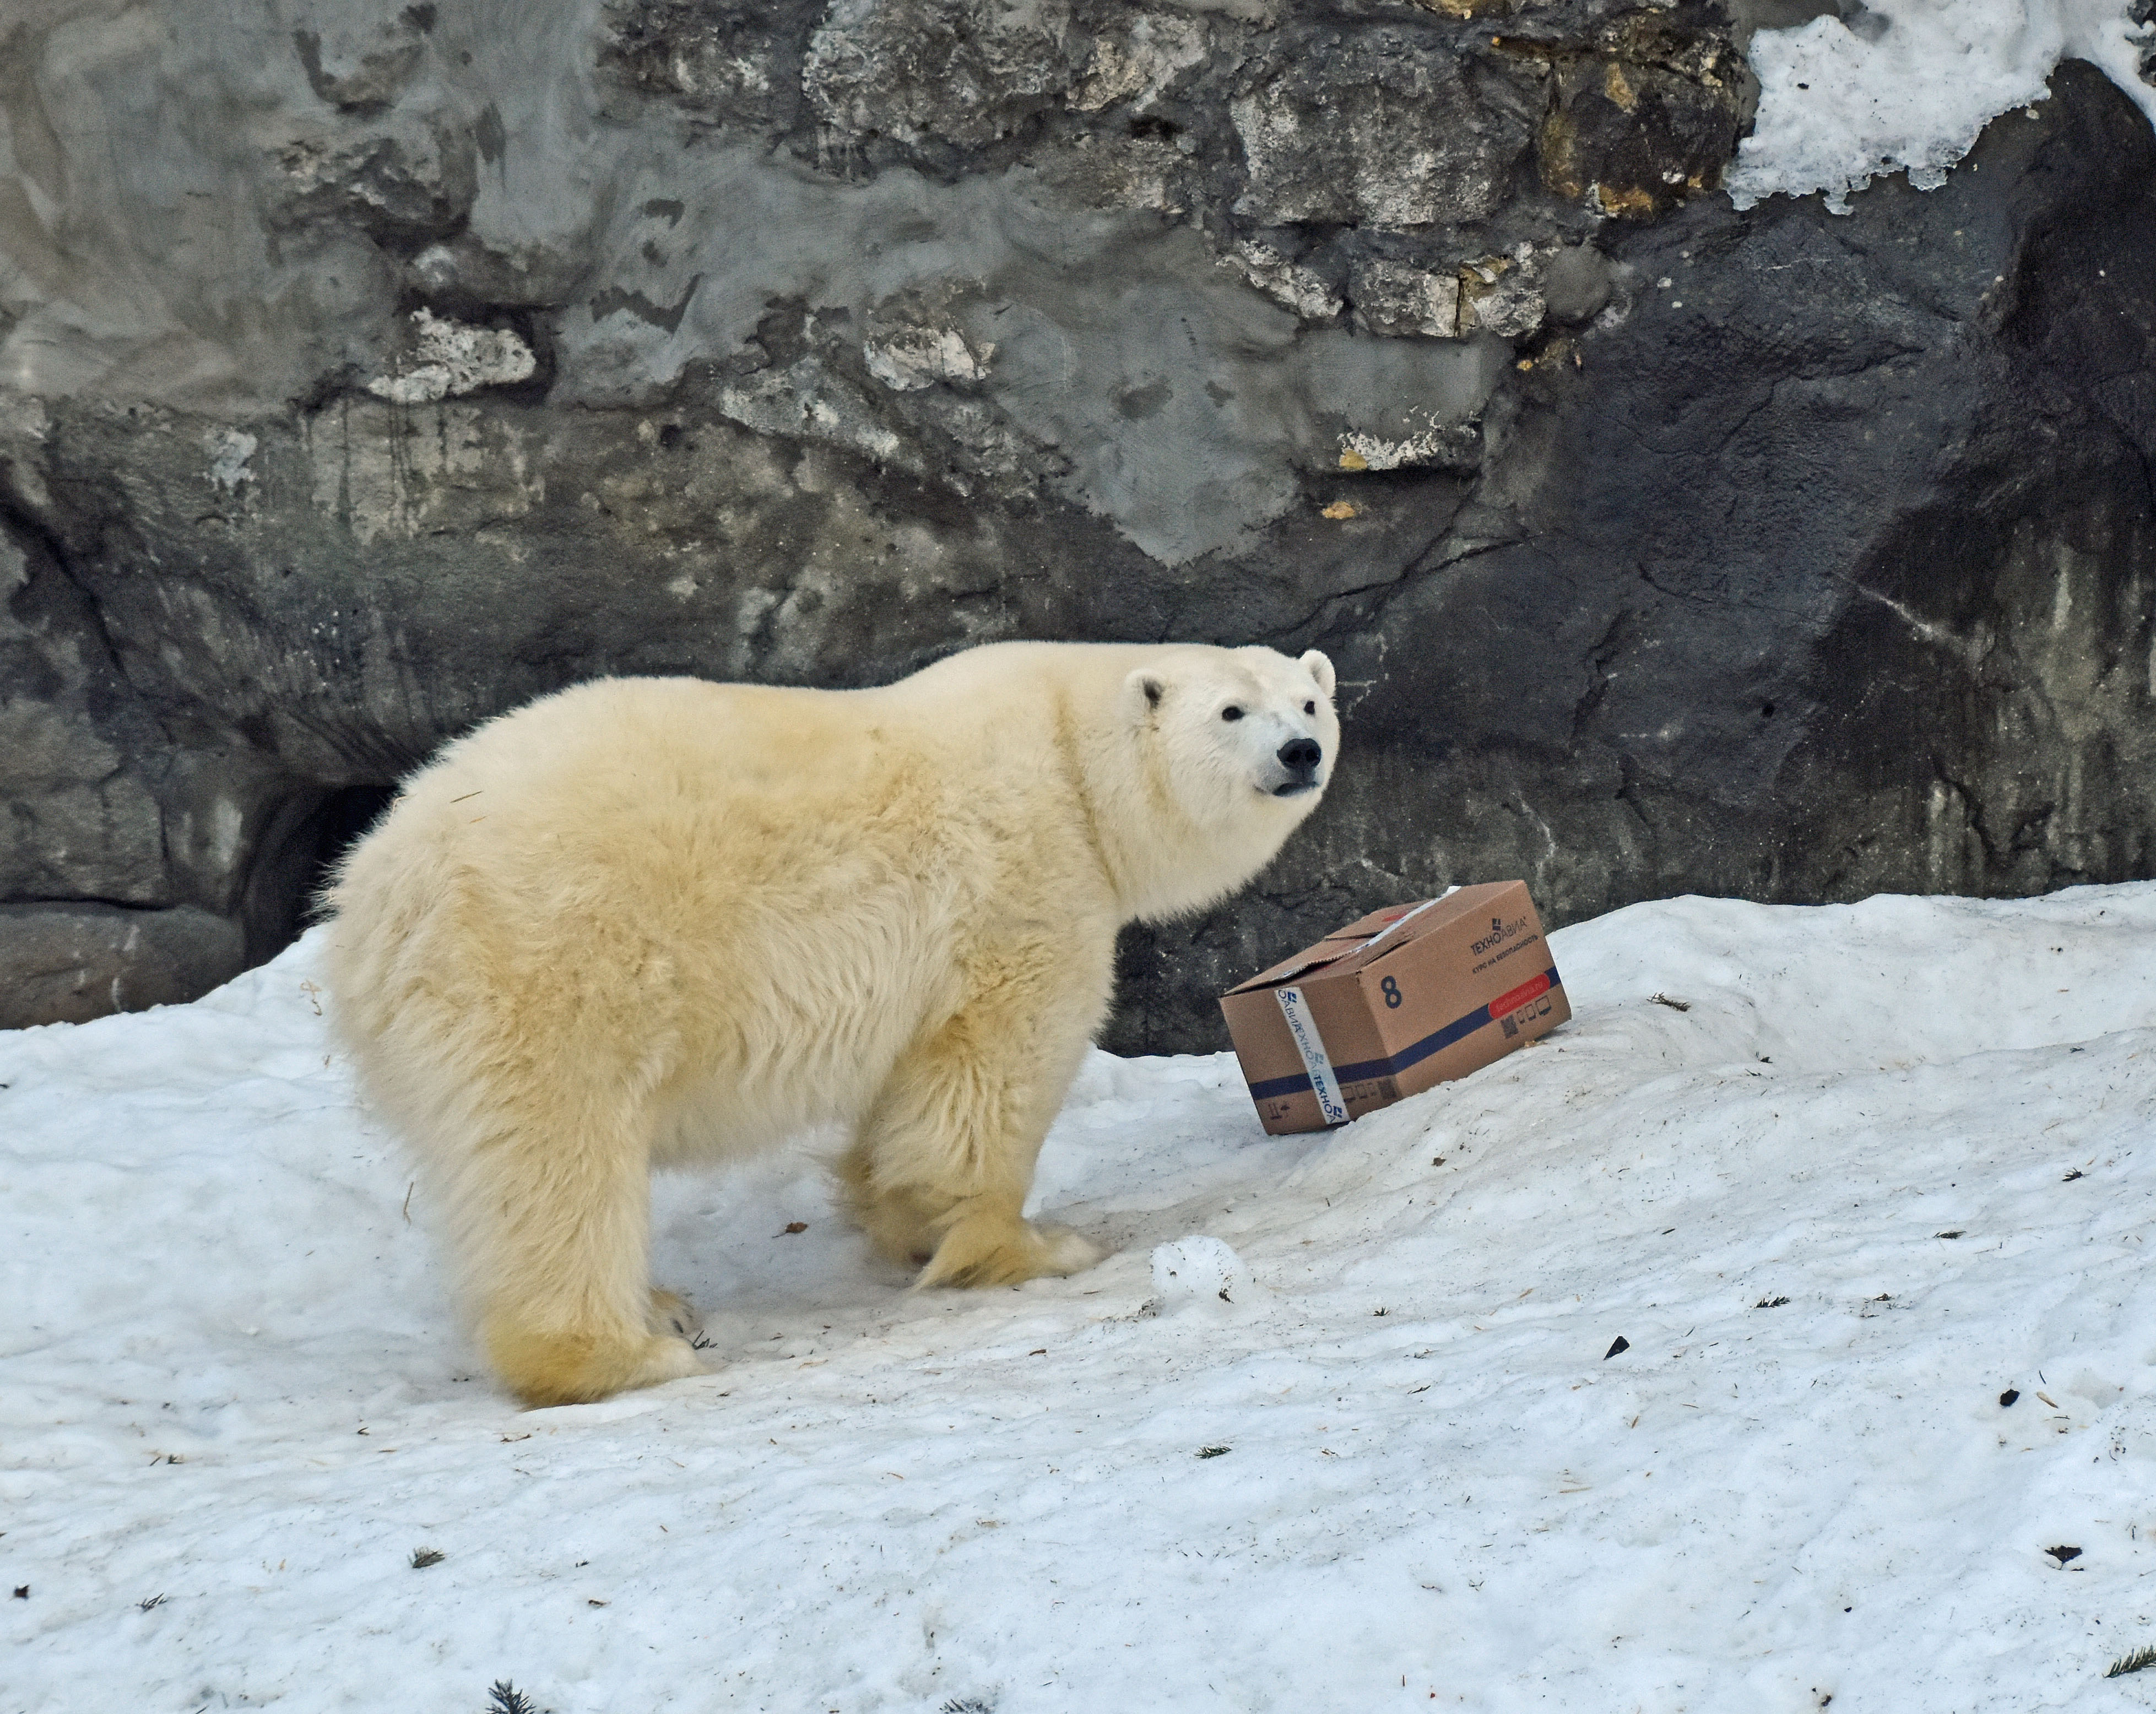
column 452, row 358
column 922, row 356
column 229, row 450
column 1911, row 86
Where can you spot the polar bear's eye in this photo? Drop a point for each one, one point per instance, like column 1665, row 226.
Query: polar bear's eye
column 1310, row 708
column 1231, row 712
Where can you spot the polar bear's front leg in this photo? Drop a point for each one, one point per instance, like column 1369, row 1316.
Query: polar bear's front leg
column 990, row 1243
column 940, row 1168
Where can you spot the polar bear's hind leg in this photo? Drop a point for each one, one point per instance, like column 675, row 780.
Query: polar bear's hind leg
column 550, row 1223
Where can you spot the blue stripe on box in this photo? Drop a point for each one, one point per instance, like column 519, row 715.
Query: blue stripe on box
column 1412, row 1054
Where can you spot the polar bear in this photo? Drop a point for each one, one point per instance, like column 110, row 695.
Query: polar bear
column 654, row 922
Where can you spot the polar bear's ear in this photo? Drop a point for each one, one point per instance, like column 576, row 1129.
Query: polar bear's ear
column 1142, row 693
column 1319, row 668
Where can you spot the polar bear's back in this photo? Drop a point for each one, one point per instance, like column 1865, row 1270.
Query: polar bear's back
column 644, row 874
column 683, row 796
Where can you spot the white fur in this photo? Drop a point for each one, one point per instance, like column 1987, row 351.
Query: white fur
column 655, row 921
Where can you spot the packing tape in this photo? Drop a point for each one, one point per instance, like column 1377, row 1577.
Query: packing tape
column 1315, row 1060
column 1406, row 918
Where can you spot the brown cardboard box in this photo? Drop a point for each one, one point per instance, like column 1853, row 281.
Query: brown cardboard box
column 1410, row 996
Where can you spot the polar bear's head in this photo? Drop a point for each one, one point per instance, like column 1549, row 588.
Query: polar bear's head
column 1243, row 742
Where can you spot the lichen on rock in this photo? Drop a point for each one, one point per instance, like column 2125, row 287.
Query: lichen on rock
column 1447, row 445
column 1646, row 117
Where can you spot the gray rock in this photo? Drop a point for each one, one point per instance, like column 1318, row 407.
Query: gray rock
column 1390, row 124
column 1394, row 297
column 1576, row 284
column 69, row 963
column 1503, row 294
column 1305, row 290
column 419, row 363
column 936, row 75
column 397, row 190
column 79, row 756
column 1648, row 118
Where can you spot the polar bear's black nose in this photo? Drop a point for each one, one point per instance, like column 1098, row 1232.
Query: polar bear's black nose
column 1302, row 754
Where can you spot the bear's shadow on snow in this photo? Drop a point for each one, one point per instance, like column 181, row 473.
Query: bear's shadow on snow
column 763, row 1250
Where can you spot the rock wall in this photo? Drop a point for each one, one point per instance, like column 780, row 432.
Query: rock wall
column 366, row 370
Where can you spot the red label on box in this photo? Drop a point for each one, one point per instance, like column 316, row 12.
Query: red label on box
column 1519, row 996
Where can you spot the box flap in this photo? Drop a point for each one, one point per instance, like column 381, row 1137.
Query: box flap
column 1409, row 923
column 1362, row 927
column 1428, row 918
column 1309, row 958
column 1373, row 936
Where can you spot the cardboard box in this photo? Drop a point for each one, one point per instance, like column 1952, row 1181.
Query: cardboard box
column 1408, row 997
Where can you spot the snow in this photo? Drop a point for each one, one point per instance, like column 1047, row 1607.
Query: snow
column 1912, row 84
column 230, row 1380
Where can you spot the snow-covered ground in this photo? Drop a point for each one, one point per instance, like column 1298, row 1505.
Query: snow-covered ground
column 1894, row 1160
column 1909, row 83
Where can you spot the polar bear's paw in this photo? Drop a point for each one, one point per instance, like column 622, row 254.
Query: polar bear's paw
column 667, row 1359
column 1066, row 1251
column 983, row 1250
column 573, row 1368
column 673, row 1313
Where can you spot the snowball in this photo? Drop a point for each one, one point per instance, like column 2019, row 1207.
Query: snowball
column 1194, row 1268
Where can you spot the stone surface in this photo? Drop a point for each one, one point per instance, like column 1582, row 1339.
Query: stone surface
column 1381, row 124
column 1643, row 119
column 69, row 963
column 366, row 372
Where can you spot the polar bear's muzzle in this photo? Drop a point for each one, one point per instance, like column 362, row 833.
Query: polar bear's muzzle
column 1299, row 761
